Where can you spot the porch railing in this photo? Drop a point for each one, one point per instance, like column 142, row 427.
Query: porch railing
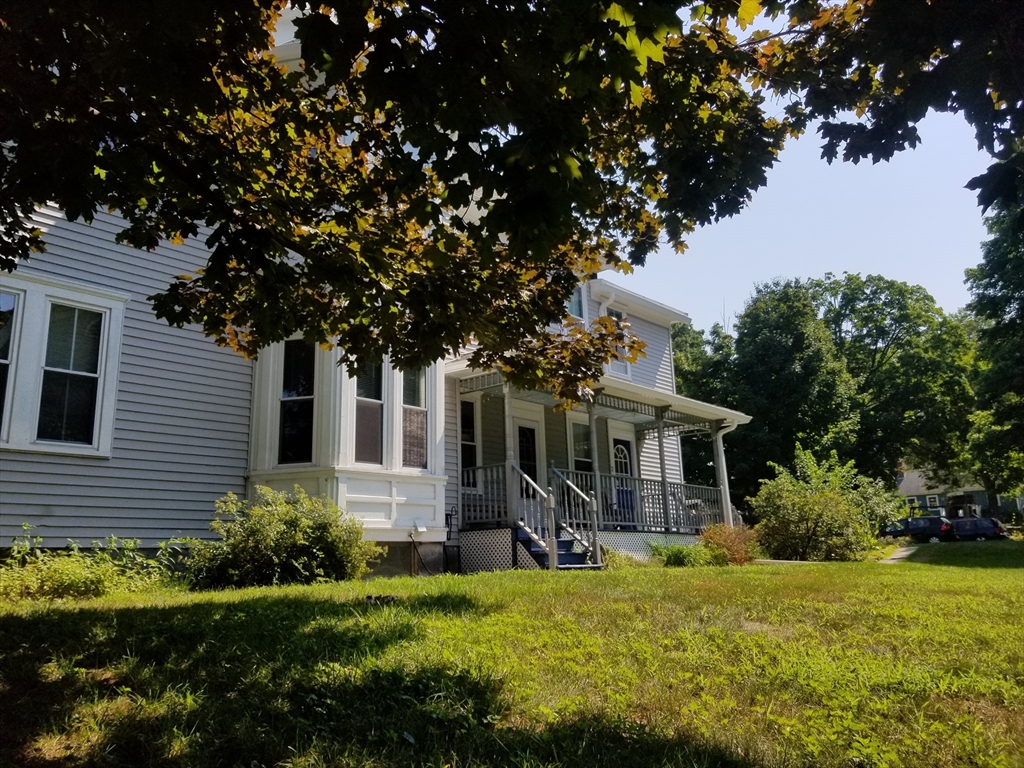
column 483, row 495
column 633, row 503
column 625, row 503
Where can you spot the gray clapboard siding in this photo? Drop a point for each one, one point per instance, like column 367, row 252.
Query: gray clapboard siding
column 556, row 438
column 492, row 429
column 181, row 426
column 650, row 463
column 654, row 368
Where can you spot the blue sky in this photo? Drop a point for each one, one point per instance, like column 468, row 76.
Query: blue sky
column 909, row 219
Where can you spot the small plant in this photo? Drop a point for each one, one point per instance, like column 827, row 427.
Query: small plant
column 685, row 555
column 736, row 545
column 279, row 538
column 113, row 565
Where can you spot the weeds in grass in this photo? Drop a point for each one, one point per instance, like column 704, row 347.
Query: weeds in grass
column 113, row 565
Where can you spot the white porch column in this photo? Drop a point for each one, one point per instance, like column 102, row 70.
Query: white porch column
column 722, row 472
column 595, row 465
column 661, row 460
column 511, row 496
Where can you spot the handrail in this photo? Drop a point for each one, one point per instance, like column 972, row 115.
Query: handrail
column 569, row 483
column 529, row 479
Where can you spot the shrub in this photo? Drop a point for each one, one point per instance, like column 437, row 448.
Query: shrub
column 280, row 538
column 821, row 511
column 737, row 545
column 684, row 555
column 114, row 565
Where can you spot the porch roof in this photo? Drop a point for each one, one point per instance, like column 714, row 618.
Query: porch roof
column 629, row 402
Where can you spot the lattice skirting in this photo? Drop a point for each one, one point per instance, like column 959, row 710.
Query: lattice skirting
column 491, row 550
column 635, row 543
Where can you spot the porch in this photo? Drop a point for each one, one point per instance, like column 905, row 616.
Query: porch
column 614, row 464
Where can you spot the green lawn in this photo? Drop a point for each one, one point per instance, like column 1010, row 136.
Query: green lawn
column 912, row 664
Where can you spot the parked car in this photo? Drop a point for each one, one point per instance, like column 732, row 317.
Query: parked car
column 978, row 528
column 925, row 529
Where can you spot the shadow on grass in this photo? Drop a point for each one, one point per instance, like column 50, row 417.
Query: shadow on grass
column 268, row 680
column 971, row 554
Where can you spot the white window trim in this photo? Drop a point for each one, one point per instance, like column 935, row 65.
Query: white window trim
column 932, row 502
column 476, row 398
column 28, row 354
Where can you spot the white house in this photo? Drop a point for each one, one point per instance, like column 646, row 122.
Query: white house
column 115, row 424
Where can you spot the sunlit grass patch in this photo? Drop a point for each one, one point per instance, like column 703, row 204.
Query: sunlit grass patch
column 828, row 664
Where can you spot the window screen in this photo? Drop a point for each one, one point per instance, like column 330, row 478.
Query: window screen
column 370, row 415
column 414, row 419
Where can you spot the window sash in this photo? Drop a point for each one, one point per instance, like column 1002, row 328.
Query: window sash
column 296, row 419
column 580, row 447
column 8, row 311
column 69, row 388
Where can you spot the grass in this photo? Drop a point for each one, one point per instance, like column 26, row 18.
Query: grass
column 858, row 664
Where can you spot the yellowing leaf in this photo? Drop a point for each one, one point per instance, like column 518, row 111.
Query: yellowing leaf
column 636, row 94
column 748, row 12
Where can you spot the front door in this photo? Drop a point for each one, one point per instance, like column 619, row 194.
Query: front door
column 529, row 450
column 622, row 467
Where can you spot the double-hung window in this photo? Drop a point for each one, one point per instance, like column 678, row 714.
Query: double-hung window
column 469, row 441
column 295, row 443
column 59, row 354
column 414, row 419
column 370, row 414
column 581, row 456
column 67, row 403
column 8, row 307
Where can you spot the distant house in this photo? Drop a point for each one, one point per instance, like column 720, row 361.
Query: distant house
column 960, row 501
column 114, row 423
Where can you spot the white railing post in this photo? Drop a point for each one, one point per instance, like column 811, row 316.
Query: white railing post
column 549, row 508
column 596, row 551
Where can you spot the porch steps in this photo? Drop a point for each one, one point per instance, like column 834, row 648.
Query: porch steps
column 567, row 559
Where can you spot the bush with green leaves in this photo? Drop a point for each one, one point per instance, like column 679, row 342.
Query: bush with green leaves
column 279, row 538
column 113, row 565
column 736, row 544
column 686, row 555
column 822, row 511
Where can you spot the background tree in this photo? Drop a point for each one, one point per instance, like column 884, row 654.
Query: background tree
column 449, row 169
column 868, row 367
column 994, row 454
column 911, row 367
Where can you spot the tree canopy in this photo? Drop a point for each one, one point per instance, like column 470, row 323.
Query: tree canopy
column 867, row 367
column 446, row 170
